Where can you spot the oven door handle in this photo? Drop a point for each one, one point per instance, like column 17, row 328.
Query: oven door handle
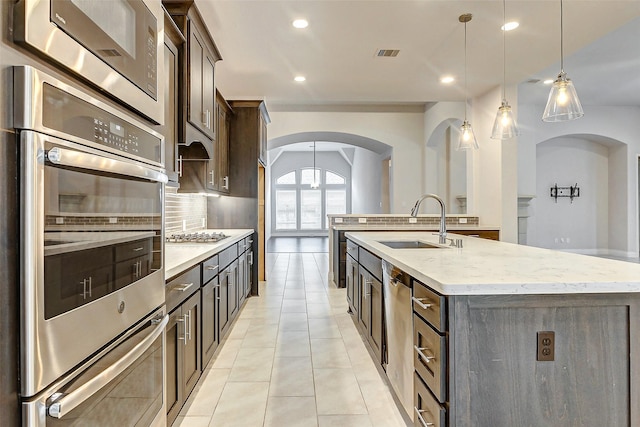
column 77, row 159
column 68, row 402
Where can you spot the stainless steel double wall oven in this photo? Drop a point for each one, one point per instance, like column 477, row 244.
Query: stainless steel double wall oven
column 92, row 276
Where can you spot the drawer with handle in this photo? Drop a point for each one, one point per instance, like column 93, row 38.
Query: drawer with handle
column 430, row 357
column 210, row 269
column 427, row 411
column 181, row 287
column 429, row 305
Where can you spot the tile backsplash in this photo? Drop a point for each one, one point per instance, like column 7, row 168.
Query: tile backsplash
column 184, row 212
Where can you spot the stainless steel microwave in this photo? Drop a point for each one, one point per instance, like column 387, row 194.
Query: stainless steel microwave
column 116, row 45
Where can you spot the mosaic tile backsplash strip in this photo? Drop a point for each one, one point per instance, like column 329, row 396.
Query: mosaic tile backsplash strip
column 184, row 212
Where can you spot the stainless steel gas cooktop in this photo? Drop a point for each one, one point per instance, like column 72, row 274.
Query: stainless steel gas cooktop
column 196, row 237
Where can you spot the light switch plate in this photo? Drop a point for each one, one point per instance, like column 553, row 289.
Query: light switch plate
column 113, row 220
column 338, row 220
column 59, row 220
column 413, row 220
column 362, row 220
column 462, row 220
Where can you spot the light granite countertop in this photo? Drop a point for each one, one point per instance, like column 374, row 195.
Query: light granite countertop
column 485, row 267
column 179, row 257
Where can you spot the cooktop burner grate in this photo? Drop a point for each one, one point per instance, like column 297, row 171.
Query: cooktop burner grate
column 196, row 237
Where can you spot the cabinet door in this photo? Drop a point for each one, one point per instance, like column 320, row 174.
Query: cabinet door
column 232, row 307
column 242, row 278
column 352, row 284
column 191, row 313
column 173, row 364
column 262, row 136
column 249, row 275
column 222, row 145
column 211, row 181
column 171, row 109
column 376, row 325
column 201, row 91
column 208, row 95
column 223, row 307
column 209, row 320
column 364, row 286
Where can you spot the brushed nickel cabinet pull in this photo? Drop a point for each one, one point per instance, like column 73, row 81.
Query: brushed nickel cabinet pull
column 422, row 421
column 422, row 304
column 420, row 351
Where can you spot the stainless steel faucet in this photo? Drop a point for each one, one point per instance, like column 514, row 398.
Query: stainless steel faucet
column 443, row 228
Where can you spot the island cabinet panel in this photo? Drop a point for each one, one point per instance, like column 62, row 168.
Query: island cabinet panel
column 593, row 379
column 370, row 301
column 353, row 295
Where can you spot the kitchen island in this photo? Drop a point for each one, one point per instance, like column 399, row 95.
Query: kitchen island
column 509, row 335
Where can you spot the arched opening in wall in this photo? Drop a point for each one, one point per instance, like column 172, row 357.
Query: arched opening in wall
column 446, row 168
column 349, row 174
column 594, row 221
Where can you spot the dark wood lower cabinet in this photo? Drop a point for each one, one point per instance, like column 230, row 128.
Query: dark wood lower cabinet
column 210, row 310
column 198, row 323
column 183, row 364
column 352, row 285
column 370, row 314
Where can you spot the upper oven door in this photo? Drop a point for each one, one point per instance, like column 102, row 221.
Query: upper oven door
column 91, row 249
column 115, row 45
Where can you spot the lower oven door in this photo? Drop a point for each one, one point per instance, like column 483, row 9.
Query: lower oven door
column 121, row 386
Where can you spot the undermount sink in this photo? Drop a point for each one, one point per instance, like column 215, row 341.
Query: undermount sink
column 411, row 244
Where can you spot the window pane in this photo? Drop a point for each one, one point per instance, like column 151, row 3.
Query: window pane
column 310, row 209
column 333, row 178
column 336, row 202
column 288, row 178
column 285, row 209
column 307, row 176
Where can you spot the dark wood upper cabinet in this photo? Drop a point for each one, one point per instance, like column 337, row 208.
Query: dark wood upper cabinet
column 173, row 45
column 224, row 114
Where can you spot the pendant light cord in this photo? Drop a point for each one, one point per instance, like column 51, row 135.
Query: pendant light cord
column 504, row 49
column 561, row 40
column 466, row 95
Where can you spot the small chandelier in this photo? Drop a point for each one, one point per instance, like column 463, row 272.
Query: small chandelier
column 314, row 183
column 467, row 139
column 504, row 126
column 563, row 103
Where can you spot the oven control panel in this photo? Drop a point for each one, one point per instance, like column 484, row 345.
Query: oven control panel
column 115, row 136
column 66, row 113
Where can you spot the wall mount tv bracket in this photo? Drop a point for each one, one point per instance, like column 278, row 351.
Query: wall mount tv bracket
column 571, row 192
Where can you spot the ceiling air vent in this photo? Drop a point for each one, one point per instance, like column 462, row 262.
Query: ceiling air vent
column 388, row 52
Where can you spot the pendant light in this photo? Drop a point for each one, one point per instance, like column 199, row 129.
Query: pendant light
column 563, row 103
column 314, row 183
column 504, row 126
column 467, row 139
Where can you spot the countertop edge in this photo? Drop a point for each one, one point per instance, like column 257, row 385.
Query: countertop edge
column 507, row 288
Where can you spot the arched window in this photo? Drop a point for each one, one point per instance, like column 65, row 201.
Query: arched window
column 302, row 201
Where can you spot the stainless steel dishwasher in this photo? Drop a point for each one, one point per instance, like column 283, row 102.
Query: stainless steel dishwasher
column 399, row 327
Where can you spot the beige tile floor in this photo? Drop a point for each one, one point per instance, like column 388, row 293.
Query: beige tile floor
column 293, row 358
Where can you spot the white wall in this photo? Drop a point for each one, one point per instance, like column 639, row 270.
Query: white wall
column 581, row 225
column 599, row 124
column 404, row 131
column 366, row 185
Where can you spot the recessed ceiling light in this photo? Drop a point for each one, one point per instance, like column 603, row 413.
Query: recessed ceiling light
column 510, row 26
column 299, row 78
column 548, row 81
column 447, row 79
column 301, row 23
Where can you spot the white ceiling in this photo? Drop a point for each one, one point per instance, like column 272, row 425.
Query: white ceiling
column 262, row 52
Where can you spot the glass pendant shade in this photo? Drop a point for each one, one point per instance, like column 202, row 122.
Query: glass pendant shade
column 563, row 103
column 467, row 140
column 504, row 126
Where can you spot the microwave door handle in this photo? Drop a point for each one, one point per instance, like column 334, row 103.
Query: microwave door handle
column 68, row 402
column 77, row 159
